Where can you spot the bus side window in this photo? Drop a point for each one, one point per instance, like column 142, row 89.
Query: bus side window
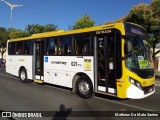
column 27, row 46
column 51, row 46
column 19, row 48
column 11, row 48
column 82, row 44
column 66, row 45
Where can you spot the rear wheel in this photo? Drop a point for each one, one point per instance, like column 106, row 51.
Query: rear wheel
column 23, row 76
column 84, row 87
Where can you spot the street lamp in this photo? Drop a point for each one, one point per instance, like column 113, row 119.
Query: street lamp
column 12, row 6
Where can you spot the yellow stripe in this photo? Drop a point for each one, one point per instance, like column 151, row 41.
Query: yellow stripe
column 38, row 81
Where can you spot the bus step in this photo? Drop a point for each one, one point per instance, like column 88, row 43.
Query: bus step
column 38, row 81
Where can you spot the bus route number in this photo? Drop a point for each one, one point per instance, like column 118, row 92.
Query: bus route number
column 73, row 63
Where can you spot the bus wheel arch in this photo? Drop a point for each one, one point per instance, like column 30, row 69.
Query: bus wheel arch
column 23, row 75
column 82, row 85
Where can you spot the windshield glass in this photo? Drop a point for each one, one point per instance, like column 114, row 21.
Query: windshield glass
column 138, row 55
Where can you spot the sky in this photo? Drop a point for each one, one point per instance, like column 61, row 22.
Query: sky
column 64, row 13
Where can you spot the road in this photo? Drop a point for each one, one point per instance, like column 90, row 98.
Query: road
column 17, row 96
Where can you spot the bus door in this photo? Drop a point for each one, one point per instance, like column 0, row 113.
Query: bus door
column 108, row 53
column 39, row 53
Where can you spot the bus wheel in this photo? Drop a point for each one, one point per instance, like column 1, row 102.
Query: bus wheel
column 84, row 87
column 23, row 76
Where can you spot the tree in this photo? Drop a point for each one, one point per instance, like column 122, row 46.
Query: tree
column 50, row 27
column 116, row 21
column 14, row 33
column 156, row 10
column 83, row 22
column 156, row 31
column 142, row 15
column 148, row 16
column 4, row 36
column 156, row 35
column 34, row 29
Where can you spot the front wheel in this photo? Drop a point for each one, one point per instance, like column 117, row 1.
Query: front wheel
column 84, row 87
column 23, row 76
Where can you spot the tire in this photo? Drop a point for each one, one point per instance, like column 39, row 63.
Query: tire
column 23, row 76
column 84, row 87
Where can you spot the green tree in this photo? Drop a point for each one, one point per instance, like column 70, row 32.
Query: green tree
column 83, row 22
column 116, row 21
column 142, row 15
column 34, row 29
column 155, row 6
column 4, row 36
column 148, row 16
column 50, row 27
column 14, row 33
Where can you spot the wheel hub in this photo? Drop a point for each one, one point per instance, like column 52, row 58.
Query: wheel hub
column 84, row 87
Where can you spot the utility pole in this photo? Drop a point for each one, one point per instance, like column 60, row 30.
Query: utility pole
column 12, row 7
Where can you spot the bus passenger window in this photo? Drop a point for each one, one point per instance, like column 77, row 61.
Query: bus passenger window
column 11, row 48
column 82, row 44
column 51, row 47
column 66, row 45
column 27, row 47
column 19, row 48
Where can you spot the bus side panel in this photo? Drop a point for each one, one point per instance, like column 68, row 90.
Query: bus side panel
column 15, row 62
column 60, row 70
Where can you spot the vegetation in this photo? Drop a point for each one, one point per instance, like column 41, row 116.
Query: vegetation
column 33, row 29
column 4, row 35
column 83, row 22
column 12, row 33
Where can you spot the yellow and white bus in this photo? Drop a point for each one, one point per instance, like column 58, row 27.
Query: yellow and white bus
column 111, row 59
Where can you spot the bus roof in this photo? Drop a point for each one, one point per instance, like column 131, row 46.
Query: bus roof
column 62, row 32
column 69, row 32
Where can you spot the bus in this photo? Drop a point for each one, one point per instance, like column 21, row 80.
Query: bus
column 113, row 59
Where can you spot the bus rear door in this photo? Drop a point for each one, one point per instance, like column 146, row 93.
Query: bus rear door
column 38, row 56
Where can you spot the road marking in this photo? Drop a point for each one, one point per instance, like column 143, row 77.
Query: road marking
column 112, row 101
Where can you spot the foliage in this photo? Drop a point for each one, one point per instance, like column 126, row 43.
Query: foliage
column 142, row 14
column 34, row 29
column 116, row 21
column 84, row 22
column 14, row 33
column 3, row 36
column 3, row 39
column 148, row 16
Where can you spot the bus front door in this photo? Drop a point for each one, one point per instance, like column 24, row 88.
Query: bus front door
column 39, row 48
column 106, row 63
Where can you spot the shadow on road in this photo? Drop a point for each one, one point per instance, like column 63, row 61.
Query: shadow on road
column 63, row 113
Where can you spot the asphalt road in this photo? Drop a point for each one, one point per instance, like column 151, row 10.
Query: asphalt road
column 17, row 96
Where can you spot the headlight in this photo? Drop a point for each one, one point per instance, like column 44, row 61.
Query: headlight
column 135, row 82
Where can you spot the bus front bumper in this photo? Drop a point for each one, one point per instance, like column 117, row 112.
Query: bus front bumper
column 134, row 92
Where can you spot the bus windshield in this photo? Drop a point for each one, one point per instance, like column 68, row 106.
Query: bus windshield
column 138, row 55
